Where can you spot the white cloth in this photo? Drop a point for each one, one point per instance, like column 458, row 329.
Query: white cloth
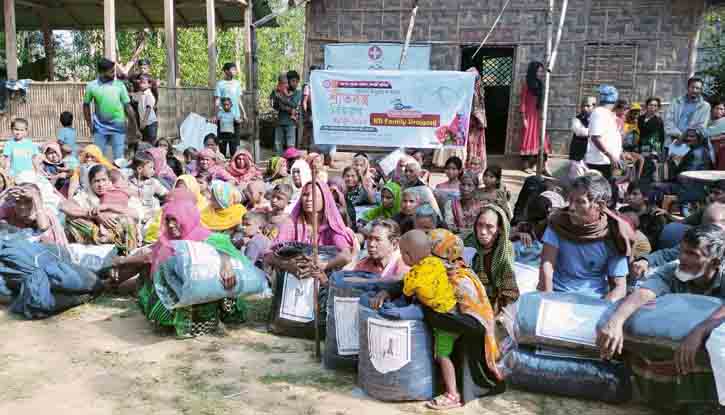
column 603, row 123
column 145, row 100
column 578, row 128
column 716, row 350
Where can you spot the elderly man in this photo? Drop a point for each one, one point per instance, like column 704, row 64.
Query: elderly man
column 412, row 174
column 586, row 246
column 690, row 112
column 699, row 271
column 580, row 130
column 383, row 252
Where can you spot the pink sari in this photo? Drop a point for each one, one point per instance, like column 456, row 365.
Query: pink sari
column 162, row 169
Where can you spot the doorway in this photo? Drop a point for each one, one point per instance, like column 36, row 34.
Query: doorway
column 496, row 66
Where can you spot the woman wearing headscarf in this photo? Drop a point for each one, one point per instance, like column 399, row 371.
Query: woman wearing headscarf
column 107, row 214
column 184, row 182
column 182, row 222
column 22, row 207
column 494, row 258
column 361, row 162
column 532, row 97
column 277, row 172
column 208, row 169
column 174, row 164
column 356, row 194
column 461, row 214
column 225, row 210
column 243, row 169
column 162, row 169
column 476, row 146
column 398, row 174
column 89, row 157
column 389, row 204
column 52, row 163
column 301, row 175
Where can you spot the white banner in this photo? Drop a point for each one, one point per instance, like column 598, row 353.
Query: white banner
column 375, row 56
column 418, row 109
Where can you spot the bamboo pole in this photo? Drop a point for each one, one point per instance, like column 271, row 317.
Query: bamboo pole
column 547, row 79
column 11, row 46
column 495, row 23
column 404, row 52
column 315, row 256
column 211, row 41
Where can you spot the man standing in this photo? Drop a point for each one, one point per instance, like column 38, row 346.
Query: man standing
column 580, row 130
column 288, row 116
column 690, row 112
column 231, row 88
column 112, row 105
column 605, row 141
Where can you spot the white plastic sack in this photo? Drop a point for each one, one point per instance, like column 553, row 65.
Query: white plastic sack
column 193, row 130
column 716, row 349
column 92, row 257
column 389, row 162
column 527, row 277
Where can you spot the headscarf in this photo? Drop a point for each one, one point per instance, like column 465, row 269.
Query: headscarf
column 247, row 174
column 331, row 213
column 52, row 145
column 275, row 167
column 162, row 169
column 292, row 153
column 305, row 171
column 96, row 152
column 231, row 210
column 470, row 293
column 181, row 207
column 500, row 285
column 609, row 227
column 382, row 212
column 55, row 234
column 193, row 187
column 48, row 193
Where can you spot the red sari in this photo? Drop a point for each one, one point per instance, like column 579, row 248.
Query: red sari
column 530, row 136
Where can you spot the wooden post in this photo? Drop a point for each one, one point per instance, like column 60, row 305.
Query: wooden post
column 170, row 31
column 545, row 105
column 211, row 41
column 109, row 29
column 11, row 45
column 411, row 25
column 315, row 256
column 48, row 44
column 250, row 58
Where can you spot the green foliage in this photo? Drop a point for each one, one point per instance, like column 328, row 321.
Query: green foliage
column 712, row 53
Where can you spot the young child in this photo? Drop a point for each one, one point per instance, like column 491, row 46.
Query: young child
column 428, row 282
column 70, row 161
column 253, row 241
column 190, row 159
column 52, row 164
column 146, row 104
column 226, row 121
column 145, row 186
column 280, row 197
column 20, row 154
column 67, row 134
column 254, row 196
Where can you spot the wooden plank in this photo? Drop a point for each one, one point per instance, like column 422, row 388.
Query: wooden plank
column 11, row 48
column 109, row 29
column 211, row 40
column 170, row 31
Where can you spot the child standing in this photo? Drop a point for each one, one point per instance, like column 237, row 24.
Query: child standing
column 143, row 185
column 230, row 88
column 67, row 134
column 226, row 125
column 20, row 154
column 146, row 104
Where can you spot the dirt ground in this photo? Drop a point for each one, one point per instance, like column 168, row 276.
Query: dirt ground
column 105, row 358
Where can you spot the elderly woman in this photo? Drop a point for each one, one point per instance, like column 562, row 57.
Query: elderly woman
column 398, row 174
column 356, row 194
column 383, row 251
column 494, row 258
column 242, row 168
column 181, row 221
column 426, row 218
column 409, row 202
column 22, row 207
column 276, row 172
column 208, row 168
column 586, row 246
column 361, row 162
column 107, row 214
column 301, row 175
column 460, row 214
column 225, row 210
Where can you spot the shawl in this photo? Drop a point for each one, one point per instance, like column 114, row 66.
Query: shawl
column 478, row 109
column 608, row 228
column 500, row 284
column 183, row 209
column 96, row 152
column 305, row 171
column 332, row 218
column 276, row 167
column 470, row 293
column 51, row 197
column 161, row 168
column 231, row 210
column 246, row 174
column 54, row 147
column 382, row 212
column 215, row 171
column 192, row 187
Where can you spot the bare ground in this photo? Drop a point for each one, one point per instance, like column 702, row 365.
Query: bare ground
column 105, row 358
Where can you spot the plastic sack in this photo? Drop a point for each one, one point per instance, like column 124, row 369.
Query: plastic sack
column 193, row 130
column 549, row 372
column 93, row 257
column 716, row 349
column 342, row 342
column 191, row 276
column 293, row 305
column 388, row 369
column 564, row 320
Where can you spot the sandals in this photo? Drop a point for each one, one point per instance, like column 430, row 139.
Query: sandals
column 444, row 402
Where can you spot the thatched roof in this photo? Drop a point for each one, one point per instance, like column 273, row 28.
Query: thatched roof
column 88, row 14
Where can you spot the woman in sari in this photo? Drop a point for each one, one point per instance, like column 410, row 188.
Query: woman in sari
column 107, row 214
column 461, row 214
column 22, row 207
column 186, row 182
column 161, row 168
column 356, row 194
column 243, row 169
column 89, row 157
column 301, row 175
column 389, row 204
column 208, row 169
column 277, row 172
column 532, row 95
column 181, row 221
column 225, row 210
column 494, row 258
column 174, row 164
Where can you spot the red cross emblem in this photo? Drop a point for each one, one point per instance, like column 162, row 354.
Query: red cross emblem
column 375, row 53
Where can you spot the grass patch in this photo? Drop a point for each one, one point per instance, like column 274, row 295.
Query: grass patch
column 317, row 379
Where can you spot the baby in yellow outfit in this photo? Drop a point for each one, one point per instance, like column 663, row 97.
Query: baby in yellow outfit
column 427, row 279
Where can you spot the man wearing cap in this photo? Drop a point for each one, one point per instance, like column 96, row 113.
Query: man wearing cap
column 580, row 130
column 690, row 112
column 605, row 141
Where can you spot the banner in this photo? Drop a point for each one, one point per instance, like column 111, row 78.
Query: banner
column 418, row 109
column 375, row 56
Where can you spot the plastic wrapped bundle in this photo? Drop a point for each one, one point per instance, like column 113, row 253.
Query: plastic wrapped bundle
column 191, row 276
column 547, row 373
column 388, row 369
column 342, row 341
column 293, row 306
column 93, row 257
column 563, row 320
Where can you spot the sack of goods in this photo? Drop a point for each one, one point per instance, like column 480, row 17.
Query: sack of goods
column 342, row 341
column 388, row 369
column 191, row 276
column 716, row 349
column 653, row 334
column 556, row 349
column 93, row 257
column 293, row 306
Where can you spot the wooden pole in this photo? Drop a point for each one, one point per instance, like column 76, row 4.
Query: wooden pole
column 315, row 256
column 109, row 29
column 48, row 44
column 211, row 41
column 547, row 79
column 170, row 32
column 11, row 45
column 404, row 52
column 250, row 58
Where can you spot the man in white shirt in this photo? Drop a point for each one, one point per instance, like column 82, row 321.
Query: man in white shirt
column 605, row 141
